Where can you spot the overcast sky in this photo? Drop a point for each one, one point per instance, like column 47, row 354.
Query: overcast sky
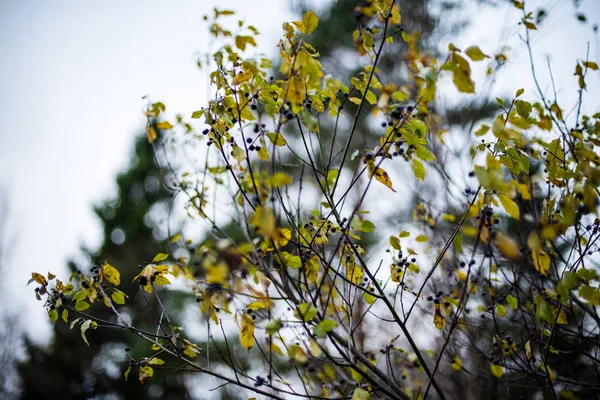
column 73, row 74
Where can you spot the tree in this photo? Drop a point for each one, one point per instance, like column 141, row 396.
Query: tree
column 293, row 283
column 73, row 369
column 10, row 341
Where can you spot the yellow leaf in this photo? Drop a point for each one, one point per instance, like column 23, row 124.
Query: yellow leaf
column 280, row 179
column 497, row 370
column 39, row 278
column 422, row 238
column 310, row 22
column 264, row 222
column 242, row 41
column 448, row 217
column 541, row 261
column 456, row 364
column 510, row 206
column 164, row 125
column 382, row 177
column 547, row 370
column 396, row 18
column 561, row 319
column 276, row 349
column 296, row 90
column 247, row 331
column 241, row 78
column 300, row 26
column 276, row 138
column 475, row 53
column 438, row 319
column 257, row 305
column 507, row 246
column 216, row 273
column 110, row 273
column 151, row 134
column 312, row 267
column 461, row 74
column 160, row 257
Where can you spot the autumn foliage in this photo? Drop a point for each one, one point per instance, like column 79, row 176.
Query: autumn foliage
column 501, row 283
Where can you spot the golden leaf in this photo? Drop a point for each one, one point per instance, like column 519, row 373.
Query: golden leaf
column 507, row 246
column 497, row 370
column 510, row 206
column 241, row 78
column 310, row 22
column 39, row 278
column 438, row 319
column 456, row 364
column 247, row 331
column 110, row 273
column 381, row 176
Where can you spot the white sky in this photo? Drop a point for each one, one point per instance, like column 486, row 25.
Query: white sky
column 71, row 80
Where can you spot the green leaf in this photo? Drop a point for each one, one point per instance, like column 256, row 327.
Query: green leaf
column 290, row 260
column 324, row 327
column 53, row 315
column 512, row 301
column 68, row 289
column 570, row 280
column 305, row 312
column 590, row 294
column 82, row 305
column 586, row 274
column 126, row 374
column 418, row 168
column 362, row 225
column 360, row 394
column 65, row 315
column 273, row 326
column 500, row 310
column 544, row 312
column 524, row 108
column 118, row 297
column 483, row 129
column 395, row 242
column 84, row 327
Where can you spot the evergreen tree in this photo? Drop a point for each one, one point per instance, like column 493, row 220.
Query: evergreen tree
column 68, row 368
